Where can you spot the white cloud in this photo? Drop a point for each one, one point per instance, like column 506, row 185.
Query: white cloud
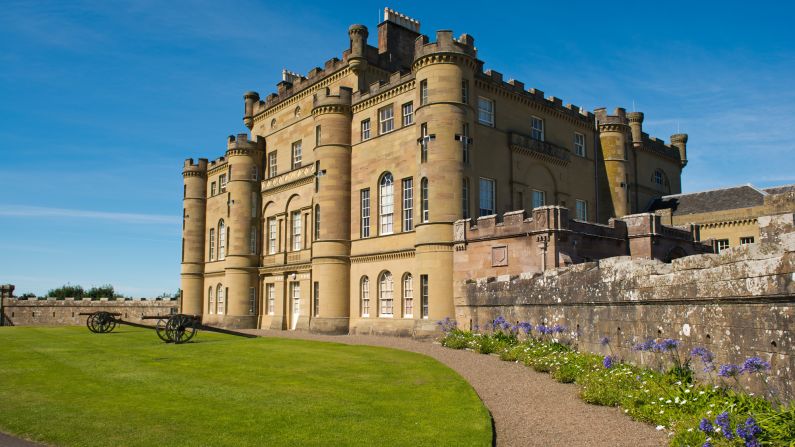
column 41, row 212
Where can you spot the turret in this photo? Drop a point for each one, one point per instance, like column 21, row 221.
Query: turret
column 251, row 99
column 440, row 69
column 243, row 158
column 332, row 212
column 194, row 177
column 679, row 141
column 636, row 127
column 614, row 134
column 357, row 59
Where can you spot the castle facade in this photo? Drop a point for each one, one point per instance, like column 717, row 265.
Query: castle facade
column 337, row 213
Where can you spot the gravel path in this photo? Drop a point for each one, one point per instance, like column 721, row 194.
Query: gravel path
column 11, row 441
column 528, row 408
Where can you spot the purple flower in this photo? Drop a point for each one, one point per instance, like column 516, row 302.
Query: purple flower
column 604, row 341
column 506, row 325
column 647, row 345
column 706, row 426
column 749, row 431
column 542, row 329
column 755, row 365
column 703, row 353
column 558, row 329
column 729, row 370
column 722, row 421
column 669, row 344
column 607, row 362
column 526, row 327
column 707, row 444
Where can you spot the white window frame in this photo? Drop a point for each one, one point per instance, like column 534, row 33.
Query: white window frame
column 536, row 128
column 272, row 235
column 364, row 292
column 220, row 300
column 212, row 244
column 487, row 188
column 297, row 154
column 581, row 209
column 745, row 240
column 365, row 212
column 272, row 172
column 212, row 189
column 386, row 295
column 538, row 194
column 295, row 218
column 424, row 295
column 365, row 128
column 270, row 291
column 579, row 145
column 222, row 182
column 423, row 92
column 408, row 204
column 386, row 204
column 211, row 301
column 408, row 296
column 425, row 212
column 423, row 142
column 407, row 110
column 221, row 240
column 721, row 244
column 486, row 111
column 386, row 119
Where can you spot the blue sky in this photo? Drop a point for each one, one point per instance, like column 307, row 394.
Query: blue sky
column 101, row 102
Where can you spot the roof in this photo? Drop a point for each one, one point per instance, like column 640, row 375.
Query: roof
column 743, row 196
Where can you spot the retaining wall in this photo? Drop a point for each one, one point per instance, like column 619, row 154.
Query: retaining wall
column 53, row 312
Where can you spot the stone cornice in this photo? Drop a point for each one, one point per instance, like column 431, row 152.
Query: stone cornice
column 444, row 58
column 296, row 177
column 613, row 127
column 332, row 108
column 202, row 174
column 250, row 151
column 302, row 94
column 383, row 96
column 403, row 254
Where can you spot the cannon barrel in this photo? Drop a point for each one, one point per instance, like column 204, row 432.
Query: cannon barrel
column 115, row 314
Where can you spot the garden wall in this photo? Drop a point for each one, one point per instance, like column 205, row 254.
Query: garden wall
column 52, row 312
column 738, row 303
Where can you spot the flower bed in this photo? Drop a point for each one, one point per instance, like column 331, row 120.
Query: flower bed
column 711, row 411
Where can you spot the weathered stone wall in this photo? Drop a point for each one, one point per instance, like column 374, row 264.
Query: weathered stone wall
column 52, row 312
column 738, row 303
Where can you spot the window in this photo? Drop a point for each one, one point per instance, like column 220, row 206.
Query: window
column 539, row 198
column 465, row 91
column 386, row 120
column 408, row 204
column 366, row 129
column 487, row 207
column 254, row 173
column 486, row 111
column 386, row 203
column 746, row 240
column 408, row 296
column 295, row 286
column 365, row 295
column 212, row 189
column 579, row 144
column 424, row 201
column 212, row 244
column 423, row 92
column 581, row 209
column 272, row 235
column 317, row 135
column 465, row 198
column 424, row 295
column 254, row 204
column 365, row 199
column 222, row 182
column 408, row 113
column 721, row 244
column 537, row 128
column 317, row 222
column 424, row 142
column 271, row 294
column 221, row 241
column 385, row 297
column 252, row 241
column 252, row 300
column 296, row 230
column 220, row 310
column 316, row 299
column 210, row 301
column 465, row 143
column 297, row 154
column 272, row 164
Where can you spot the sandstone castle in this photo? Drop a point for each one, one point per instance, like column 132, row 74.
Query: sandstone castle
column 338, row 213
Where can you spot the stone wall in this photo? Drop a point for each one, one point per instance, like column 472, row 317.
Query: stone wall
column 53, row 312
column 738, row 303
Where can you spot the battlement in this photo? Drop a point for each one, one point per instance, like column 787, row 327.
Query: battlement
column 217, row 162
column 390, row 15
column 619, row 116
column 241, row 142
column 201, row 165
column 324, row 97
column 378, row 87
column 445, row 43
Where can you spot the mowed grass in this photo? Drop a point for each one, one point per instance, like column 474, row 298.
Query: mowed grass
column 68, row 387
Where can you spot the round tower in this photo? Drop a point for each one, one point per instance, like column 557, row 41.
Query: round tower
column 439, row 68
column 194, row 203
column 636, row 127
column 332, row 211
column 614, row 137
column 357, row 59
column 679, row 141
column 240, row 266
column 250, row 99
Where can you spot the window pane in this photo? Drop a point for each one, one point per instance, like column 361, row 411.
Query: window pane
column 408, row 113
column 365, row 213
column 408, row 204
column 539, row 198
column 486, row 197
column 386, row 198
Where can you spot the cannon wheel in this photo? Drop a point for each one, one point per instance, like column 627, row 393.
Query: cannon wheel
column 91, row 323
column 161, row 330
column 180, row 328
column 105, row 322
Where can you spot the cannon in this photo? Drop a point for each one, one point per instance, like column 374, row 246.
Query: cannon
column 175, row 328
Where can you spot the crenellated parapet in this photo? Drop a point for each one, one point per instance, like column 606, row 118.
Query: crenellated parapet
column 241, row 145
column 325, row 102
column 617, row 122
column 192, row 169
column 379, row 91
column 446, row 49
column 679, row 141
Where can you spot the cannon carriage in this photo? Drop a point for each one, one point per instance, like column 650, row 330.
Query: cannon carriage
column 174, row 328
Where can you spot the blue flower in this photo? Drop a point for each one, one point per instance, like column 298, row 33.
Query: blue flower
column 607, row 362
column 647, row 345
column 729, row 370
column 703, row 353
column 707, row 444
column 558, row 329
column 755, row 365
column 604, row 341
column 749, row 431
column 722, row 421
column 706, row 426
column 669, row 344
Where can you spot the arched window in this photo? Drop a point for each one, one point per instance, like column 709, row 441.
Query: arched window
column 408, row 296
column 210, row 301
column 221, row 240
column 220, row 298
column 212, row 244
column 385, row 295
column 386, row 199
column 365, row 295
column 317, row 222
column 659, row 178
column 425, row 213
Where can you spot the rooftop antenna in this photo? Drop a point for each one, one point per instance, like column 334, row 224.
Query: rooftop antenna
column 633, row 105
column 677, row 126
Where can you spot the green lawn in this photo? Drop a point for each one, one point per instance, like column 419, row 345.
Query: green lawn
column 68, row 387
